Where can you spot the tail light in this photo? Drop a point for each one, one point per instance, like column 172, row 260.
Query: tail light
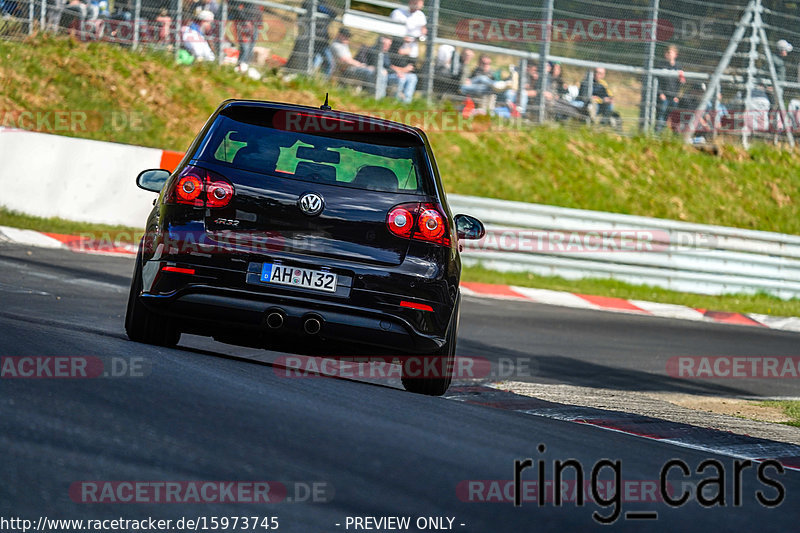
column 401, row 221
column 189, row 189
column 419, row 221
column 219, row 193
column 201, row 188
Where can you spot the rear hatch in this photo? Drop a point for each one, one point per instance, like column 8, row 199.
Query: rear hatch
column 310, row 193
column 268, row 217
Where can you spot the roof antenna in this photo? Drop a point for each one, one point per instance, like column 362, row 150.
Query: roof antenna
column 325, row 106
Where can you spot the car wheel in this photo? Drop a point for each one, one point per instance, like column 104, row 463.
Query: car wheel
column 141, row 324
column 439, row 385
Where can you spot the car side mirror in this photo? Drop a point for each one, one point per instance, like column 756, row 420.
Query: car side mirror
column 469, row 227
column 152, row 180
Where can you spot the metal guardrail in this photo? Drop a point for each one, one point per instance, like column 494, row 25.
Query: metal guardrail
column 576, row 243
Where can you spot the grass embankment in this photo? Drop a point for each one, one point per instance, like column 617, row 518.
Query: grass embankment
column 791, row 408
column 145, row 99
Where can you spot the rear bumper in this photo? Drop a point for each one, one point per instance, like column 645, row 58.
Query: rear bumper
column 219, row 310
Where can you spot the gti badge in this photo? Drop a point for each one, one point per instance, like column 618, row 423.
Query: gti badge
column 311, row 203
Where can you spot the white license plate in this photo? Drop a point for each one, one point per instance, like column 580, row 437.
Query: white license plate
column 298, row 277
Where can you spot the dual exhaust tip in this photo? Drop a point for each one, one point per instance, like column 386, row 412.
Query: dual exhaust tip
column 312, row 322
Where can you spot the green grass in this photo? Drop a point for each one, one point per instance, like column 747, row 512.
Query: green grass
column 743, row 303
column 143, row 98
column 15, row 219
column 790, row 407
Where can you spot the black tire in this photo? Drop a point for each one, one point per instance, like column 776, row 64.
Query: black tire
column 141, row 324
column 438, row 386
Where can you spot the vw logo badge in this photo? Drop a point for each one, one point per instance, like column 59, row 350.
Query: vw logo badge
column 311, row 203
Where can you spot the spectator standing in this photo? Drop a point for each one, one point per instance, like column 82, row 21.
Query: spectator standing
column 193, row 36
column 247, row 19
column 322, row 40
column 669, row 87
column 784, row 49
column 416, row 24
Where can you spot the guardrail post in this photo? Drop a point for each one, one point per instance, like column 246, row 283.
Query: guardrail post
column 432, row 33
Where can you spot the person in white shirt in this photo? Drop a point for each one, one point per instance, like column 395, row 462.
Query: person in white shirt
column 416, row 24
column 194, row 39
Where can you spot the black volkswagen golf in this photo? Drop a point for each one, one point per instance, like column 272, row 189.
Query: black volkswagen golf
column 293, row 226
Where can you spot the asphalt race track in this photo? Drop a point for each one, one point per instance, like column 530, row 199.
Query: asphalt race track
column 201, row 412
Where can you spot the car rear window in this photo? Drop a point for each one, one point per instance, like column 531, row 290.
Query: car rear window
column 317, row 158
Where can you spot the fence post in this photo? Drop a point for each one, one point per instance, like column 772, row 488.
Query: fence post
column 715, row 114
column 31, row 17
column 42, row 14
column 522, row 102
column 736, row 38
column 223, row 23
column 432, row 31
column 588, row 95
column 543, row 75
column 381, row 78
column 653, row 103
column 752, row 72
column 178, row 24
column 312, row 34
column 137, row 15
column 647, row 95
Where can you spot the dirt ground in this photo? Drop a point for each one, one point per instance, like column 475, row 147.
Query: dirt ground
column 727, row 414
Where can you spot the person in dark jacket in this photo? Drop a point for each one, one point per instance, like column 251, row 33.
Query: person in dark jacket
column 669, row 87
column 601, row 96
column 322, row 57
column 248, row 19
